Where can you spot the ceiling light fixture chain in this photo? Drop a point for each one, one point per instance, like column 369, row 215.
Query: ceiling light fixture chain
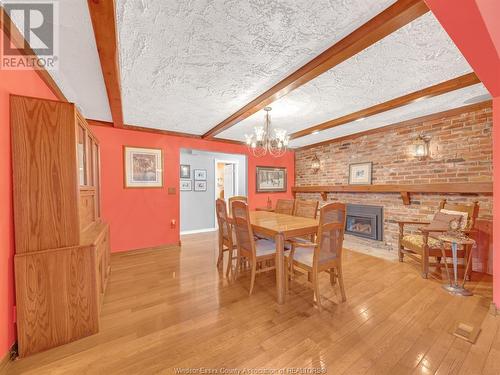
column 264, row 139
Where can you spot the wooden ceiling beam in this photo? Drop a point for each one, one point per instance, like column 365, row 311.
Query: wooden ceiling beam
column 403, row 124
column 439, row 89
column 160, row 131
column 16, row 38
column 393, row 18
column 102, row 13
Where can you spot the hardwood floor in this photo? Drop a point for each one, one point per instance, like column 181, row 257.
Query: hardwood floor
column 171, row 308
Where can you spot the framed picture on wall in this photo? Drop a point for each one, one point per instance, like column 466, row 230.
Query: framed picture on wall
column 360, row 174
column 200, row 174
column 185, row 171
column 186, row 185
column 200, row 186
column 270, row 179
column 143, row 167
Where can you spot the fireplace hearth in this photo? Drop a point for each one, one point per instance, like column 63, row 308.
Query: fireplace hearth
column 365, row 221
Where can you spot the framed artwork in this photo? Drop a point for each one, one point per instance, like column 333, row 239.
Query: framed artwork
column 143, row 167
column 360, row 174
column 185, row 171
column 200, row 174
column 200, row 186
column 186, row 185
column 271, row 179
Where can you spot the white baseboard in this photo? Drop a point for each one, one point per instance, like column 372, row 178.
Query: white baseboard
column 198, row 231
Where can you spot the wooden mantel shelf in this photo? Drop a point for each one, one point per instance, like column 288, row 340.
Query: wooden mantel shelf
column 404, row 190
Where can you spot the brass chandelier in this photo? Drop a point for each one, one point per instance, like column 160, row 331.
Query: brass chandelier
column 265, row 140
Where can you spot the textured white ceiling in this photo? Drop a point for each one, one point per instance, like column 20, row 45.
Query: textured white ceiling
column 454, row 99
column 417, row 56
column 188, row 65
column 79, row 75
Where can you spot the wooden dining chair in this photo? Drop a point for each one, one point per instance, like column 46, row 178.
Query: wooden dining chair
column 241, row 198
column 323, row 255
column 258, row 252
column 226, row 237
column 306, row 208
column 284, row 206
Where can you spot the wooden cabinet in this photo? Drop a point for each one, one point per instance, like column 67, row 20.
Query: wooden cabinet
column 62, row 259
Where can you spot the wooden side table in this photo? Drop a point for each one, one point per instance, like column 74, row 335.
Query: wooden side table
column 454, row 287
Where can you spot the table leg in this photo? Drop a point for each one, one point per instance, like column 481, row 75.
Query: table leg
column 456, row 288
column 443, row 252
column 467, row 266
column 454, row 254
column 280, row 268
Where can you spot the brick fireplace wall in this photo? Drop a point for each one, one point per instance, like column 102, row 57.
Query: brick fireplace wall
column 460, row 148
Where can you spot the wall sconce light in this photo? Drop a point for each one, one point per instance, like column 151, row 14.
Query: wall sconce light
column 315, row 164
column 421, row 147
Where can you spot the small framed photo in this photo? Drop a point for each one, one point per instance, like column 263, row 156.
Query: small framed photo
column 200, row 174
column 185, row 171
column 143, row 167
column 271, row 179
column 360, row 174
column 200, row 186
column 186, row 185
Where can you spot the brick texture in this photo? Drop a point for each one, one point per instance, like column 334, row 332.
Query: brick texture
column 461, row 151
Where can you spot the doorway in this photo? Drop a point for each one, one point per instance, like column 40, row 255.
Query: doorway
column 199, row 188
column 226, row 182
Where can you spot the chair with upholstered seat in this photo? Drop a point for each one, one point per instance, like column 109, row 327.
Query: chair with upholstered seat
column 258, row 252
column 419, row 245
column 284, row 206
column 227, row 240
column 325, row 254
column 230, row 201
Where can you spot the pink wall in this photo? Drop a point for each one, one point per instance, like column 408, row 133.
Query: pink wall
column 473, row 25
column 27, row 83
column 141, row 218
column 496, row 200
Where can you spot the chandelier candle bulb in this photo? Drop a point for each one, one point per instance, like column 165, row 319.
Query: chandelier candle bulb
column 263, row 140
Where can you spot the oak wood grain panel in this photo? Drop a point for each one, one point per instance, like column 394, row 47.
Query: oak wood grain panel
column 56, row 297
column 87, row 210
column 429, row 92
column 44, row 170
column 385, row 23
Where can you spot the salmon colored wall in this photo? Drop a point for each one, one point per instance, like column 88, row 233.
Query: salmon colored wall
column 141, row 218
column 24, row 82
column 473, row 26
column 496, row 201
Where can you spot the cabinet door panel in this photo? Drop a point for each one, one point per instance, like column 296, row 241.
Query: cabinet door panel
column 44, row 163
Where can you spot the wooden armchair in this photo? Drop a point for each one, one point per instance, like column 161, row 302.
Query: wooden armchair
column 419, row 246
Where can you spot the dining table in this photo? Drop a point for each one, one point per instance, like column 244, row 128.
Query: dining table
column 281, row 227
